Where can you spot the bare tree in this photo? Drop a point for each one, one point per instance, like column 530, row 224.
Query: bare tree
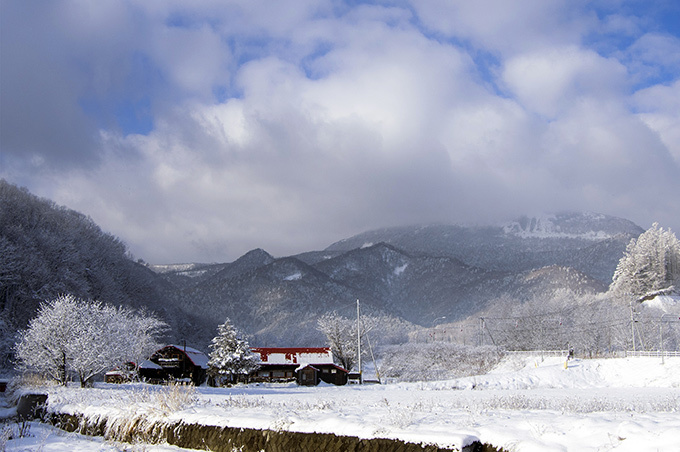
column 341, row 335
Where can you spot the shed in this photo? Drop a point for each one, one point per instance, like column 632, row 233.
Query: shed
column 307, row 375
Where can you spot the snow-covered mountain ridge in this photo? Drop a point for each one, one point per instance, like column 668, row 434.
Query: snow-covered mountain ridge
column 586, row 226
column 417, row 274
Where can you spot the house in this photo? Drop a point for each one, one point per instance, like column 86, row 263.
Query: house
column 175, row 362
column 306, row 365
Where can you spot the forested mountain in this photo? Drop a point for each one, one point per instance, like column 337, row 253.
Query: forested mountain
column 47, row 250
column 590, row 243
column 412, row 275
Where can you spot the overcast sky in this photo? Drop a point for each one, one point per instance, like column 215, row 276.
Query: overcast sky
column 198, row 130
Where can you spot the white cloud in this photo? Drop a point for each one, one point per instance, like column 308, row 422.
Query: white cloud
column 659, row 108
column 549, row 82
column 335, row 119
column 508, row 27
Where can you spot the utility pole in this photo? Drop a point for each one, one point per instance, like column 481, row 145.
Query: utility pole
column 481, row 331
column 632, row 325
column 359, row 340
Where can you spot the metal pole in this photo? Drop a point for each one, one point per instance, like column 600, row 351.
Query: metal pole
column 661, row 339
column 359, row 340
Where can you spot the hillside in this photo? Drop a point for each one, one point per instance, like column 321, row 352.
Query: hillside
column 47, row 250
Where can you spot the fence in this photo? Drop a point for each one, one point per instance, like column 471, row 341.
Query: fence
column 538, row 352
column 652, row 354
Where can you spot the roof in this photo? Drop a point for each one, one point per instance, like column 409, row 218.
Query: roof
column 670, row 304
column 197, row 357
column 294, row 355
column 146, row 364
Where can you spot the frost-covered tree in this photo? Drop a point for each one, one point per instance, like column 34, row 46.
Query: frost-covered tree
column 341, row 336
column 44, row 346
column 84, row 338
column 145, row 327
column 651, row 262
column 231, row 354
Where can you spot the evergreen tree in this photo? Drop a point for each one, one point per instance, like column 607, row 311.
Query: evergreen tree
column 650, row 263
column 231, row 354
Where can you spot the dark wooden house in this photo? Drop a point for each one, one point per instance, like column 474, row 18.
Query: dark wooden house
column 175, row 362
column 306, row 365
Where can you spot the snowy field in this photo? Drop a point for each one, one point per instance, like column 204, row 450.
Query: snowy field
column 525, row 404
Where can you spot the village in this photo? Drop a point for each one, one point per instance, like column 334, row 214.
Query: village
column 308, row 366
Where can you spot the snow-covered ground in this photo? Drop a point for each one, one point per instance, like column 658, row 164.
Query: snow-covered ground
column 525, row 404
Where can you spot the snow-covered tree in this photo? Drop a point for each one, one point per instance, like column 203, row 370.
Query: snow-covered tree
column 231, row 354
column 341, row 336
column 145, row 327
column 44, row 346
column 85, row 338
column 651, row 262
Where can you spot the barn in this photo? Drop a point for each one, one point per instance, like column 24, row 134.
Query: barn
column 306, row 365
column 175, row 362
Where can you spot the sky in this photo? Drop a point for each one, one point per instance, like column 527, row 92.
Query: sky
column 196, row 131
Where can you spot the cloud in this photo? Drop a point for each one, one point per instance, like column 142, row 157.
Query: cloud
column 509, row 27
column 212, row 128
column 40, row 120
column 659, row 109
column 549, row 82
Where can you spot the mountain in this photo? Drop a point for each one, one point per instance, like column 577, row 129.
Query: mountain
column 47, row 250
column 277, row 303
column 412, row 276
column 590, row 243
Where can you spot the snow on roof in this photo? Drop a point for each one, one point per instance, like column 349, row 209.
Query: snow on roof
column 197, row 357
column 294, row 355
column 146, row 364
column 667, row 303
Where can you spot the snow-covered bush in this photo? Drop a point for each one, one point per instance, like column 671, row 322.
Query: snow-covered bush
column 72, row 336
column 175, row 397
column 417, row 361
